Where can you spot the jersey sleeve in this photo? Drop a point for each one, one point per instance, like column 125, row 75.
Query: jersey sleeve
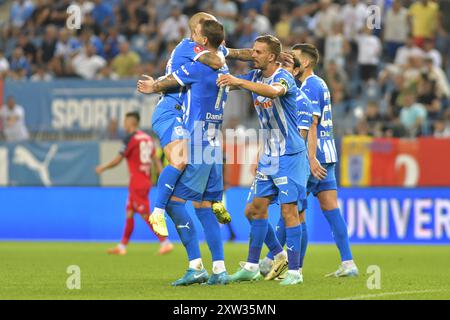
column 314, row 97
column 126, row 144
column 224, row 50
column 191, row 50
column 188, row 73
column 304, row 113
column 286, row 81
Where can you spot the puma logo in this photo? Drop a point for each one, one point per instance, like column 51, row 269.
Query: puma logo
column 169, row 186
column 23, row 156
column 290, row 248
column 285, row 192
column 186, row 226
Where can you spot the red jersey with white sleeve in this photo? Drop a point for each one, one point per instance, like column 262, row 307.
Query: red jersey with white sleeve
column 138, row 149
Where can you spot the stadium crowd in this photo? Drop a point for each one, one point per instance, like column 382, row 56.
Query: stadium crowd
column 388, row 74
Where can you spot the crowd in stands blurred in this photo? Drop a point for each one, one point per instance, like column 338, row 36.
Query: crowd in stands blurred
column 388, row 74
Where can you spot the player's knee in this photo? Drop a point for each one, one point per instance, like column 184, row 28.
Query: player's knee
column 129, row 214
column 248, row 211
column 328, row 201
column 258, row 211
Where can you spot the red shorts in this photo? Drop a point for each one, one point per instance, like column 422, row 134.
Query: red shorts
column 138, row 200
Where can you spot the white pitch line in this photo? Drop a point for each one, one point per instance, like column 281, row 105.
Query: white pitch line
column 397, row 293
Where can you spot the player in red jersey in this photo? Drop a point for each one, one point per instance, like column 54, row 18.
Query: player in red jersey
column 139, row 150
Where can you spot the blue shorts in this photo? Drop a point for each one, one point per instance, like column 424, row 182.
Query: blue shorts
column 329, row 183
column 201, row 181
column 167, row 121
column 282, row 177
column 302, row 203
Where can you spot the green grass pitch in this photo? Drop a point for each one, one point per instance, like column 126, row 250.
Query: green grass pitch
column 39, row 271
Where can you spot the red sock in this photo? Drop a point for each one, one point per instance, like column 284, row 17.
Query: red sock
column 160, row 238
column 129, row 226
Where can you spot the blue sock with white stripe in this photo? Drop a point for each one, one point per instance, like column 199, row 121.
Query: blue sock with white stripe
column 166, row 184
column 304, row 243
column 185, row 228
column 258, row 233
column 272, row 242
column 281, row 236
column 293, row 244
column 212, row 232
column 340, row 233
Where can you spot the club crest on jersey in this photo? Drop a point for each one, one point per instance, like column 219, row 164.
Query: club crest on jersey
column 198, row 49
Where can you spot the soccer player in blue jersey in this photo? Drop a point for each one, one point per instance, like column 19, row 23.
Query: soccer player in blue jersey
column 168, row 125
column 202, row 180
column 322, row 155
column 281, row 169
column 270, row 265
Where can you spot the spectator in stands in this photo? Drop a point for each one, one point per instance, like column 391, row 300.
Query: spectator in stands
column 369, row 53
column 413, row 115
column 66, row 48
column 396, row 28
column 325, row 21
column 48, row 47
column 441, row 129
column 283, row 27
column 4, row 65
column 261, row 24
column 21, row 10
column 58, row 15
column 226, row 12
column 353, row 16
column 41, row 74
column 112, row 43
column 88, row 63
column 19, row 65
column 103, row 15
column 13, row 119
column 29, row 49
column 424, row 15
column 247, row 36
column 336, row 46
column 376, row 121
column 42, row 13
column 438, row 75
column 175, row 27
column 125, row 63
column 431, row 52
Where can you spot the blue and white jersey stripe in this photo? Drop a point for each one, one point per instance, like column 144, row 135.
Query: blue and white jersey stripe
column 278, row 117
column 317, row 92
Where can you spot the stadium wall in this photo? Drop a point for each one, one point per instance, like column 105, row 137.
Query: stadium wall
column 375, row 215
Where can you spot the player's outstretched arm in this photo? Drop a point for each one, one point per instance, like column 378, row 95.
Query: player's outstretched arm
column 240, row 54
column 316, row 168
column 113, row 163
column 265, row 90
column 154, row 86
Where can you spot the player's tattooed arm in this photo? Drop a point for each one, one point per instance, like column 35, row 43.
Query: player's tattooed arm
column 149, row 85
column 240, row 54
column 265, row 90
column 316, row 168
column 211, row 59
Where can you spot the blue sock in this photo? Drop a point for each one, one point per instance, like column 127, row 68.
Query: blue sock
column 213, row 235
column 258, row 233
column 169, row 176
column 271, row 241
column 304, row 243
column 281, row 231
column 340, row 234
column 185, row 228
column 293, row 243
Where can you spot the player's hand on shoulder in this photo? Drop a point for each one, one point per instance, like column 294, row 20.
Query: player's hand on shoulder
column 227, row 80
column 145, row 86
column 286, row 59
column 317, row 170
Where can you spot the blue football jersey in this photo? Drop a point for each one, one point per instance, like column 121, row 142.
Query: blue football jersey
column 317, row 92
column 304, row 111
column 278, row 117
column 203, row 103
column 186, row 51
